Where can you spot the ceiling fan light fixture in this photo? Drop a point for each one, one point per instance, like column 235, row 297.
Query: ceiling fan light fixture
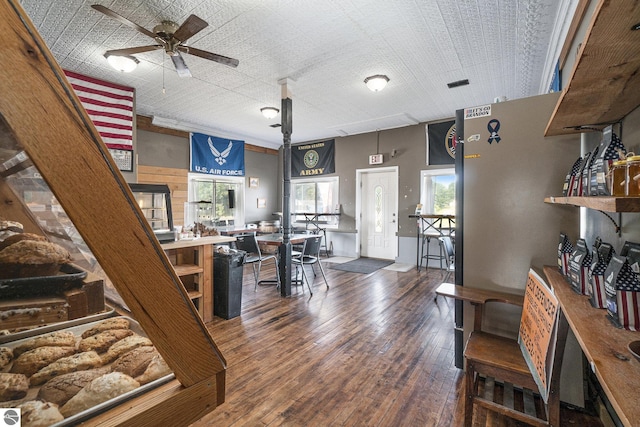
column 125, row 64
column 376, row 83
column 269, row 112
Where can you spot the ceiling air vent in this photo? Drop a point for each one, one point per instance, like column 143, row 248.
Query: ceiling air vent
column 458, row 83
column 275, row 125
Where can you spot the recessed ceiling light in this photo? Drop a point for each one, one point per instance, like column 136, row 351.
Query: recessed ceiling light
column 458, row 83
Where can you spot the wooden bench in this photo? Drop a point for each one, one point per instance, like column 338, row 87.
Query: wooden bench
column 519, row 380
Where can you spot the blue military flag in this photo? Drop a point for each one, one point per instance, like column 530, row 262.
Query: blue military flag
column 216, row 156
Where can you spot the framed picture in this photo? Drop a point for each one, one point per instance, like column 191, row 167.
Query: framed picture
column 254, row 182
column 262, row 203
column 123, row 158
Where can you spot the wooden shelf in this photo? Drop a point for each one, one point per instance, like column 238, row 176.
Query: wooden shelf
column 604, row 346
column 194, row 294
column 601, row 203
column 604, row 85
column 186, row 269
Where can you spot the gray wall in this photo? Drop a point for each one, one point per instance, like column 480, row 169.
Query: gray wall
column 155, row 149
column 352, row 153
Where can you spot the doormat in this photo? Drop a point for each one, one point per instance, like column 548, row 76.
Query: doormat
column 403, row 268
column 362, row 265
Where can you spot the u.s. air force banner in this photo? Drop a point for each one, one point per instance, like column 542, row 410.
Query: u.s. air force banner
column 216, row 156
column 313, row 159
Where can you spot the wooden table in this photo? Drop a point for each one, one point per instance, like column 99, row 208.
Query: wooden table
column 232, row 230
column 194, row 258
column 431, row 225
column 604, row 346
column 275, row 239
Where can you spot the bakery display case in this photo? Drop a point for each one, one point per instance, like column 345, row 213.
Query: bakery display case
column 155, row 202
column 47, row 139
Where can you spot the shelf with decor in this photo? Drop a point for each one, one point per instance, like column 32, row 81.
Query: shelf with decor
column 604, row 85
column 600, row 203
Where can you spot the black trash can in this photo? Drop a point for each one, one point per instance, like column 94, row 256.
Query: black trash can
column 227, row 283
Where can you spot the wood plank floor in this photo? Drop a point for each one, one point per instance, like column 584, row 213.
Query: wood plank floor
column 373, row 350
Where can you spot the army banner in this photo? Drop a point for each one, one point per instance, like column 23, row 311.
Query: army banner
column 313, row 159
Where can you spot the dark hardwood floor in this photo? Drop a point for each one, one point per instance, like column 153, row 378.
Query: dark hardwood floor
column 373, row 350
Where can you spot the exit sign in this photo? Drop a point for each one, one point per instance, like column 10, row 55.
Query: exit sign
column 375, row 159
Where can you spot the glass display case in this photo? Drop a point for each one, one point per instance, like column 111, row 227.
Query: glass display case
column 155, row 202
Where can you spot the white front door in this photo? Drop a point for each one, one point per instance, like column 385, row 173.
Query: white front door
column 379, row 214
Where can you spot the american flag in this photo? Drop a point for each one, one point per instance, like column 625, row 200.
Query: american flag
column 565, row 248
column 571, row 177
column 614, row 148
column 627, row 300
column 601, row 259
column 110, row 107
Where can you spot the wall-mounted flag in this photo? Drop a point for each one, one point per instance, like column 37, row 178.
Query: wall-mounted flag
column 216, row 156
column 313, row 159
column 441, row 139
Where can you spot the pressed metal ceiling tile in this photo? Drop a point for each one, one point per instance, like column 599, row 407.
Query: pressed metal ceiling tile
column 326, row 48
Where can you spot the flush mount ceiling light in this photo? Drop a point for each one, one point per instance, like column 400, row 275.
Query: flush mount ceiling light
column 126, row 63
column 269, row 112
column 376, row 83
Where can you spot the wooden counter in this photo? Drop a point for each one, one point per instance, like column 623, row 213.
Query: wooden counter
column 192, row 260
column 605, row 348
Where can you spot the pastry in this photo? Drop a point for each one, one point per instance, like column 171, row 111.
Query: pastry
column 112, row 323
column 53, row 339
column 99, row 390
column 134, row 362
column 6, row 356
column 101, row 341
column 64, row 365
column 29, row 258
column 123, row 346
column 13, row 386
column 33, row 360
column 157, row 368
column 60, row 389
column 36, row 413
column 18, row 237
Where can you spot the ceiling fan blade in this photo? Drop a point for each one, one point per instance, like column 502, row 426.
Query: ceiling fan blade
column 189, row 28
column 231, row 62
column 122, row 20
column 133, row 50
column 181, row 66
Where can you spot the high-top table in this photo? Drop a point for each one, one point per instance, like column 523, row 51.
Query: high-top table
column 431, row 225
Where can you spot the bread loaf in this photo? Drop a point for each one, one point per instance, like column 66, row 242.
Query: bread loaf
column 6, row 356
column 123, row 346
column 157, row 368
column 134, row 362
column 53, row 339
column 76, row 362
column 33, row 360
column 60, row 389
column 99, row 390
column 30, row 258
column 36, row 413
column 101, row 341
column 112, row 323
column 13, row 386
column 18, row 237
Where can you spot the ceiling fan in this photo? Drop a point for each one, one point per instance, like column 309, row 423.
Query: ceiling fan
column 170, row 37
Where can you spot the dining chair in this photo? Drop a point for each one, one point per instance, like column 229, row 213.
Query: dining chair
column 249, row 244
column 310, row 255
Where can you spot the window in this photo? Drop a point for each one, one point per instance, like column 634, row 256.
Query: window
column 215, row 201
column 315, row 196
column 438, row 191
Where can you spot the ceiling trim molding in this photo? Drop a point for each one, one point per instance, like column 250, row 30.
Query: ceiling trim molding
column 144, row 123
